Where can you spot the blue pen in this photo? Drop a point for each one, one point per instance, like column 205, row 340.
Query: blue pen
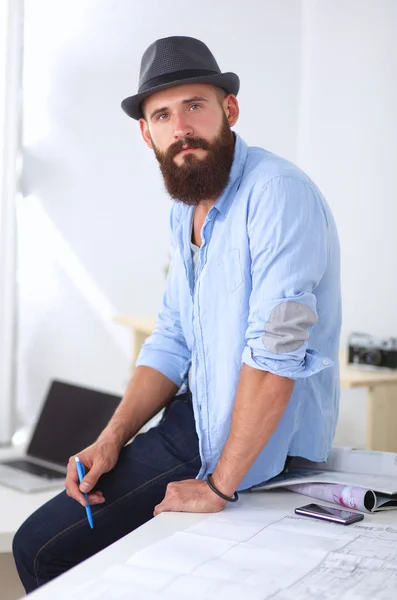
column 81, row 475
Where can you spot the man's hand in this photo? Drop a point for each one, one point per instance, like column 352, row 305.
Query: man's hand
column 98, row 458
column 191, row 495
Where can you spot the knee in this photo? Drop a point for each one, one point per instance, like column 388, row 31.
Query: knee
column 32, row 538
column 18, row 545
column 22, row 550
column 22, row 545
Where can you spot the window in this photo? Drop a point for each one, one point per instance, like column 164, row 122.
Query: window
column 11, row 35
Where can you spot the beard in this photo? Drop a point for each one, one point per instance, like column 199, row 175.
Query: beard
column 198, row 179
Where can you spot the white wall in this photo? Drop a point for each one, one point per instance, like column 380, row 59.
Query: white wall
column 94, row 220
column 347, row 142
column 318, row 86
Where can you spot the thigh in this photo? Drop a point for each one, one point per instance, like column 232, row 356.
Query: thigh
column 58, row 533
column 168, row 452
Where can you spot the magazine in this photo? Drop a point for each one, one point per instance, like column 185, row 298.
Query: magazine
column 365, row 480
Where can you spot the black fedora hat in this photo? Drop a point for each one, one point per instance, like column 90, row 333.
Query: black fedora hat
column 173, row 61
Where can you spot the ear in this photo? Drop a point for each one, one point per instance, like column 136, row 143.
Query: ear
column 145, row 133
column 231, row 108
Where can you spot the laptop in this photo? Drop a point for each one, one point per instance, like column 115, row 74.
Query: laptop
column 71, row 419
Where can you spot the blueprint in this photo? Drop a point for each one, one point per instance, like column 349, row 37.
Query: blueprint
column 255, row 554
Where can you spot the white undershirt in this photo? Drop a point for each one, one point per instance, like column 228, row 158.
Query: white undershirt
column 195, row 256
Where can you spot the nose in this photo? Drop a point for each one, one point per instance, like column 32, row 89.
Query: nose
column 182, row 127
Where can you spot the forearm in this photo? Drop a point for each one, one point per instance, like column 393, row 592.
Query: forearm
column 147, row 393
column 260, row 402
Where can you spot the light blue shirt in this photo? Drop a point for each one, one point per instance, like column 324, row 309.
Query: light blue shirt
column 267, row 294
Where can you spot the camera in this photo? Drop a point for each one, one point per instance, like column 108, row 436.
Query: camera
column 367, row 350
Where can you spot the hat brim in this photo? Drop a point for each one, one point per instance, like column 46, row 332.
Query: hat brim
column 228, row 81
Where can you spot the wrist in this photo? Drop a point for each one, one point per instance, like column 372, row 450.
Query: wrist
column 222, row 484
column 215, row 498
column 113, row 437
column 218, row 492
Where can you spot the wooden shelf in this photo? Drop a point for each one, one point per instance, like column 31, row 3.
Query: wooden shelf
column 142, row 324
column 353, row 377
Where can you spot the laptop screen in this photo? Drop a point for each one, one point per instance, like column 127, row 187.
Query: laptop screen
column 72, row 417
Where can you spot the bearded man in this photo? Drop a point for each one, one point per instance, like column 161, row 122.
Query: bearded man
column 243, row 357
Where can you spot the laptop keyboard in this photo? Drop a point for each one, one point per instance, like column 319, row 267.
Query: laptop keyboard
column 28, row 467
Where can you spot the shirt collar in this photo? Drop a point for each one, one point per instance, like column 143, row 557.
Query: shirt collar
column 240, row 156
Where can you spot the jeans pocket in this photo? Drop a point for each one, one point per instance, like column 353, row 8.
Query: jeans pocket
column 185, row 398
column 231, row 269
column 172, row 404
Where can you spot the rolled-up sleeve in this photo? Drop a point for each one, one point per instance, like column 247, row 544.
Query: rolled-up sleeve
column 166, row 349
column 288, row 235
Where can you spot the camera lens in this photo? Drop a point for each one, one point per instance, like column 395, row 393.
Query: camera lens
column 372, row 357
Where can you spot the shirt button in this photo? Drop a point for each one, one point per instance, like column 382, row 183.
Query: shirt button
column 326, row 363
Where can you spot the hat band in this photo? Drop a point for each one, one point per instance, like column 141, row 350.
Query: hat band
column 174, row 77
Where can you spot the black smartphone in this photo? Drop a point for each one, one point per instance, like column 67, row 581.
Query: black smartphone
column 336, row 515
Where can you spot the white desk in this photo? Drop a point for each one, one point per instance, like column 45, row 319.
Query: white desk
column 16, row 506
column 166, row 524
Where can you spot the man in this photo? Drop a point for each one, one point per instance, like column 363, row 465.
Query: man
column 244, row 353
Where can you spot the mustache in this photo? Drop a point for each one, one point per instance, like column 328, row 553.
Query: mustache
column 187, row 143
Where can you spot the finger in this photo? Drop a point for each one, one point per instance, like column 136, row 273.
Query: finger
column 72, row 490
column 96, row 493
column 71, row 475
column 91, row 479
column 96, row 498
column 93, row 498
column 164, row 506
column 95, row 501
column 72, row 484
column 158, row 509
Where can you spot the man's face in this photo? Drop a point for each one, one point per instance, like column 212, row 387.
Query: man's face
column 188, row 127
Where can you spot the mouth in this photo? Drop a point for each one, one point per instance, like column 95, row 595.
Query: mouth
column 184, row 150
column 187, row 149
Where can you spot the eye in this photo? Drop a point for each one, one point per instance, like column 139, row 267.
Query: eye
column 194, row 106
column 162, row 116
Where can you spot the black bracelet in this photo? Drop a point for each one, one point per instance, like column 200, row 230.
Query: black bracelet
column 234, row 498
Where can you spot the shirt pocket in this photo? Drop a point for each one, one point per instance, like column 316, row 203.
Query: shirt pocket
column 231, row 271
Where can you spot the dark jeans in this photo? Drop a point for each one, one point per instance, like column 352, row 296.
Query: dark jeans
column 57, row 536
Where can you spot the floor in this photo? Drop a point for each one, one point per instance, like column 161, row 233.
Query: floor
column 11, row 588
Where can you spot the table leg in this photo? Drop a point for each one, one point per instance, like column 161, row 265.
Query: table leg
column 11, row 587
column 137, row 342
column 382, row 417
